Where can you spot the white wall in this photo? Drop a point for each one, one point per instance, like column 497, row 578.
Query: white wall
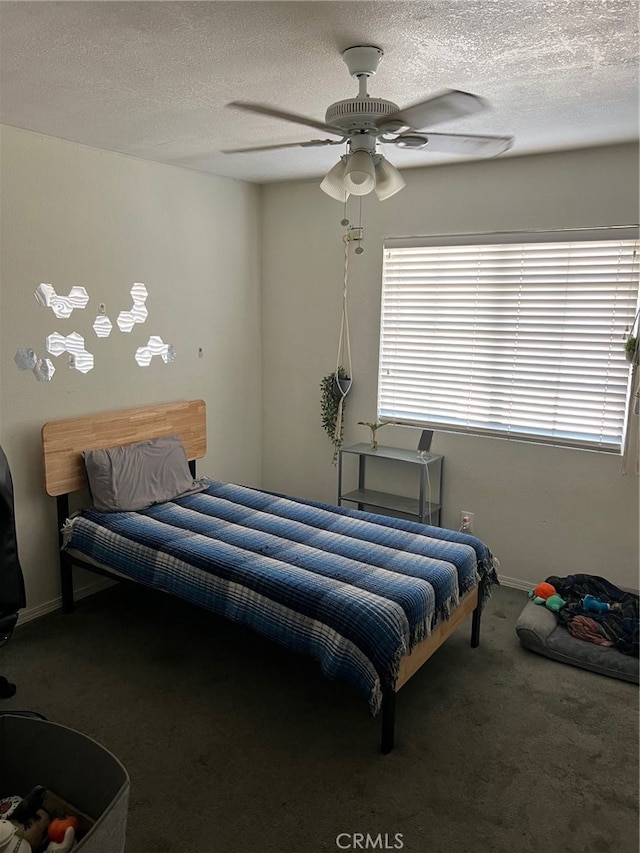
column 542, row 510
column 73, row 215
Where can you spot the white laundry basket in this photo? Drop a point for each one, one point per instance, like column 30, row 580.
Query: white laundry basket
column 77, row 768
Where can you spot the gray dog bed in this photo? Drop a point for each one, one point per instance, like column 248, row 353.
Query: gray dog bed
column 538, row 630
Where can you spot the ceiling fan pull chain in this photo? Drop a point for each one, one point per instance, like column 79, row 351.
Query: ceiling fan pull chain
column 345, row 221
column 360, row 234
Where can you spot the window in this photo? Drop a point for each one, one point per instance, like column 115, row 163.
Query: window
column 518, row 335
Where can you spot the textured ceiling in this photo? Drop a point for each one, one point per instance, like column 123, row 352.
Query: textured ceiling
column 151, row 79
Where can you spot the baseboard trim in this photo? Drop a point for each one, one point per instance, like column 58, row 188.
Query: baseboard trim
column 514, row 583
column 31, row 613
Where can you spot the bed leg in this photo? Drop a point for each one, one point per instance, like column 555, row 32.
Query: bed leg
column 388, row 720
column 66, row 571
column 477, row 613
column 475, row 628
column 66, row 584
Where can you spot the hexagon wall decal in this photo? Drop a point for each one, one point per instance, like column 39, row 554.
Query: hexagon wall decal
column 44, row 370
column 81, row 361
column 79, row 358
column 138, row 313
column 62, row 306
column 56, row 344
column 102, row 326
column 25, row 358
column 155, row 346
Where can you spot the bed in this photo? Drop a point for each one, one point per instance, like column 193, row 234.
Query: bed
column 369, row 597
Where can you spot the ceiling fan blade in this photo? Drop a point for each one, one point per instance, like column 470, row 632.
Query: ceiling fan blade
column 456, row 143
column 448, row 105
column 312, row 143
column 270, row 111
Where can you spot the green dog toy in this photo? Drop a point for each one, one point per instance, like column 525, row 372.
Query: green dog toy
column 546, row 594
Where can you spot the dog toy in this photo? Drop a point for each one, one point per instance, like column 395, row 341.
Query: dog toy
column 30, row 821
column 591, row 604
column 10, row 842
column 62, row 835
column 28, row 806
column 545, row 593
column 8, row 805
column 33, row 829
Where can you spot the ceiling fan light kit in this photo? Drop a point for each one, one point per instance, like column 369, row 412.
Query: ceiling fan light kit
column 360, row 174
column 364, row 122
column 389, row 181
column 333, row 182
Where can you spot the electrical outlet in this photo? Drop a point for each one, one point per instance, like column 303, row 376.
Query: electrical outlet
column 465, row 514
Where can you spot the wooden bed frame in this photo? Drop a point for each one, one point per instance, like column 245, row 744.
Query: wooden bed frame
column 63, row 442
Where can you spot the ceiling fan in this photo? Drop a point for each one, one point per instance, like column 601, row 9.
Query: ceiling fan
column 363, row 122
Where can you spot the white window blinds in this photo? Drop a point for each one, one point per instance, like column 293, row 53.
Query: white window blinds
column 521, row 338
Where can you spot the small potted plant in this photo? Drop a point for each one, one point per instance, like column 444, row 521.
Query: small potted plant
column 374, row 427
column 334, row 389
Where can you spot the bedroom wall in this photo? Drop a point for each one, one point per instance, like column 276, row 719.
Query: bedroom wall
column 542, row 510
column 73, row 215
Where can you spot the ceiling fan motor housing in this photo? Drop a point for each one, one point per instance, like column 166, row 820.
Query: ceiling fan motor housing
column 359, row 113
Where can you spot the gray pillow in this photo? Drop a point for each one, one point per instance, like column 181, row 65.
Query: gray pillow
column 135, row 476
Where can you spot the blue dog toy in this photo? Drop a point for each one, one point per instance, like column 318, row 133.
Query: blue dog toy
column 591, row 604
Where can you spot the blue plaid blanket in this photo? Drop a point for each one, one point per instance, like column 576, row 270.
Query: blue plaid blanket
column 354, row 590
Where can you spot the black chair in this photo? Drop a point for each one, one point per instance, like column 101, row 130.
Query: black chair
column 12, row 594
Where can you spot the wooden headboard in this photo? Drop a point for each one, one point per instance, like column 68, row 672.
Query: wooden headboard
column 63, row 441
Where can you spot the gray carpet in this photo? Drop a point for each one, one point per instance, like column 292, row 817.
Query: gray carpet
column 236, row 746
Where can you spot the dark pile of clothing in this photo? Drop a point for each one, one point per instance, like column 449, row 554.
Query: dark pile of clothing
column 616, row 625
